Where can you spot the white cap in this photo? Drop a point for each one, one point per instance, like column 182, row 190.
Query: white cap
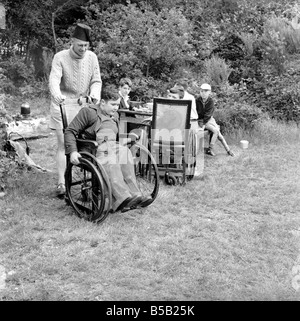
column 205, row 87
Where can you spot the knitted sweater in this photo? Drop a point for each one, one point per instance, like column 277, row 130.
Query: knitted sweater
column 73, row 76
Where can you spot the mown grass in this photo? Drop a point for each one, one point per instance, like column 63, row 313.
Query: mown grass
column 230, row 235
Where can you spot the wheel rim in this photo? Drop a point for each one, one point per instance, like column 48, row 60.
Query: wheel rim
column 146, row 170
column 191, row 157
column 105, row 179
column 84, row 189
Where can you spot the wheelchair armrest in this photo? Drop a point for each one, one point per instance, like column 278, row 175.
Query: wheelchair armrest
column 87, row 145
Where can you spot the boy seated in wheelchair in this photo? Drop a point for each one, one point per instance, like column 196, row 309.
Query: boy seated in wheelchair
column 101, row 123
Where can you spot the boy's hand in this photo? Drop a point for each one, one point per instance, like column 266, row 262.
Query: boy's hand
column 74, row 158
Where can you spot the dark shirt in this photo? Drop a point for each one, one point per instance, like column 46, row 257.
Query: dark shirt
column 85, row 125
column 124, row 106
column 205, row 110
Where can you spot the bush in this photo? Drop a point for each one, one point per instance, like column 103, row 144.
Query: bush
column 235, row 114
column 14, row 73
column 36, row 89
column 217, row 72
column 239, row 116
column 279, row 96
column 274, row 50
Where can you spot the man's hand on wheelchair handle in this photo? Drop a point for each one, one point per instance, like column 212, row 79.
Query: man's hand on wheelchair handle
column 74, row 158
column 59, row 99
column 91, row 99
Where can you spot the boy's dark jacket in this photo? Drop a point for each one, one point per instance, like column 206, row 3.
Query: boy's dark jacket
column 123, row 106
column 205, row 110
column 85, row 125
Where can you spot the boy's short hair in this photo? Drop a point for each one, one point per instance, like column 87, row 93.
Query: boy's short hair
column 177, row 90
column 110, row 92
column 125, row 81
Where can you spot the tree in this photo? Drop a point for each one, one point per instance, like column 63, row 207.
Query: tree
column 140, row 43
column 31, row 27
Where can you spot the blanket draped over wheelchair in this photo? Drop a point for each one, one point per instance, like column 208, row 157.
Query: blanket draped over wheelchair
column 118, row 162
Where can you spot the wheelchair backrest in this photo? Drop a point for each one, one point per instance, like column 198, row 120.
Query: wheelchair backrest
column 69, row 109
column 170, row 120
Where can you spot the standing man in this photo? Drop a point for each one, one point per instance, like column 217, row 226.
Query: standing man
column 187, row 96
column 183, row 86
column 75, row 73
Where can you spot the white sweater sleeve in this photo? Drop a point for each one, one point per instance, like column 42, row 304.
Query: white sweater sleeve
column 96, row 82
column 55, row 77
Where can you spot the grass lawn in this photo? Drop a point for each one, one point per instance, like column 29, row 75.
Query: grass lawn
column 234, row 234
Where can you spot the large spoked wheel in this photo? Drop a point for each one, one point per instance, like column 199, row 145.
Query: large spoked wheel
column 190, row 156
column 85, row 190
column 145, row 170
column 107, row 186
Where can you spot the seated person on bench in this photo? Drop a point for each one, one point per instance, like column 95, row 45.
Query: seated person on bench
column 101, row 123
column 205, row 108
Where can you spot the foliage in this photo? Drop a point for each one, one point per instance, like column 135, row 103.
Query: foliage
column 15, row 73
column 217, row 72
column 8, row 166
column 279, row 96
column 273, row 50
column 233, row 112
column 155, row 42
column 8, row 169
column 141, row 44
column 237, row 116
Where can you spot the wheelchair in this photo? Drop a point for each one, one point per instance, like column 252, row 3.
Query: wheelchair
column 169, row 138
column 88, row 188
column 173, row 143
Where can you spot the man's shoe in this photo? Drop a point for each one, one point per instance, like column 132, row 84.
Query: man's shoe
column 230, row 153
column 131, row 204
column 60, row 190
column 124, row 203
column 210, row 152
column 147, row 200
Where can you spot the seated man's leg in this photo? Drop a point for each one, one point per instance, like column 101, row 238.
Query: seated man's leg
column 215, row 133
column 120, row 190
column 224, row 143
column 127, row 168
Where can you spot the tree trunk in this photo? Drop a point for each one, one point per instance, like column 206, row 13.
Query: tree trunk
column 53, row 30
column 3, row 122
column 38, row 62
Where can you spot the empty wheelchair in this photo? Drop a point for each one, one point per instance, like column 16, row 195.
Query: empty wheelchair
column 173, row 143
column 88, row 187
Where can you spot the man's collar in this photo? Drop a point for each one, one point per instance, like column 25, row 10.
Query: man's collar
column 103, row 117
